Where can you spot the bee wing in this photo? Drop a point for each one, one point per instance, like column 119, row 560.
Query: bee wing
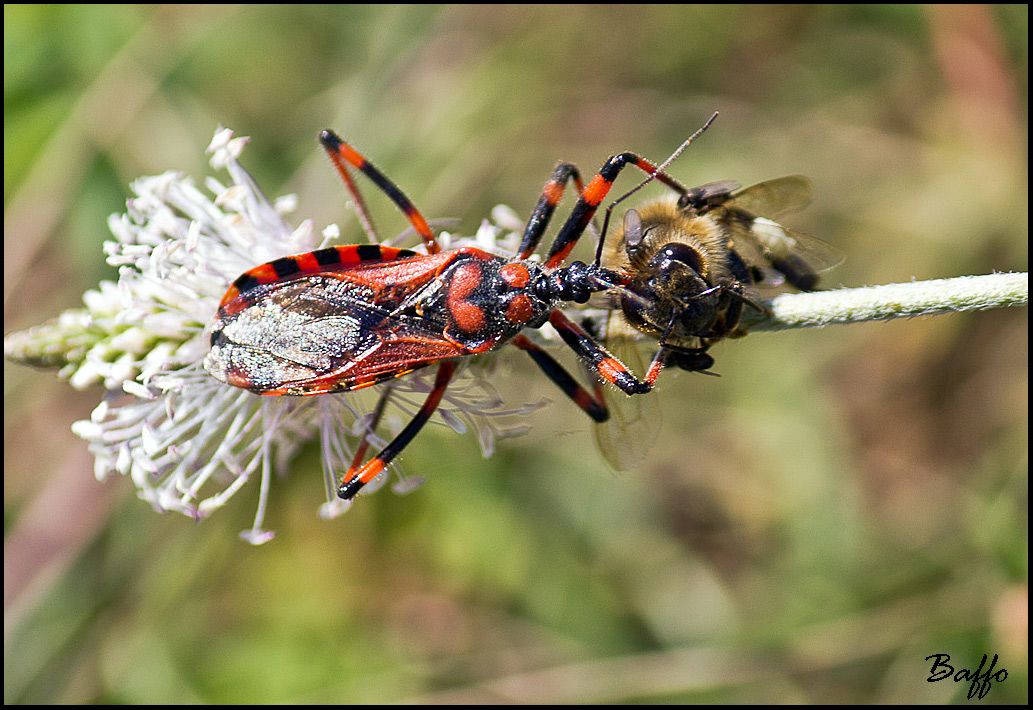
column 762, row 242
column 711, row 195
column 774, row 198
column 634, row 423
column 782, row 243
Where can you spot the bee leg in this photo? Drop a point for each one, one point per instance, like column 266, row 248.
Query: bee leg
column 342, row 155
column 727, row 325
column 356, row 478
column 689, row 359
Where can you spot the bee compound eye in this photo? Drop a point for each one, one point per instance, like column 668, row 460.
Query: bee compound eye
column 681, row 253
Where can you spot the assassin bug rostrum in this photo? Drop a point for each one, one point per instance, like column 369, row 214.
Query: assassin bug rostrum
column 348, row 317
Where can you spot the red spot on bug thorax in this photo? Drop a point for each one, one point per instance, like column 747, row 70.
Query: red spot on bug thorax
column 520, row 309
column 515, row 275
column 469, row 317
column 465, row 278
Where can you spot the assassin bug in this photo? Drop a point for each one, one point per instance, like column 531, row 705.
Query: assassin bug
column 348, row 317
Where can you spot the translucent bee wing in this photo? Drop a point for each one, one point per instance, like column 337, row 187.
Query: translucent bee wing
column 629, row 434
column 782, row 243
column 761, row 241
column 774, row 198
column 711, row 194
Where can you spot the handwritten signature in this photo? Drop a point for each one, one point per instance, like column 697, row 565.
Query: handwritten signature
column 981, row 681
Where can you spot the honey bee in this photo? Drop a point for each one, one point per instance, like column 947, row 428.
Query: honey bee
column 695, row 258
column 682, row 270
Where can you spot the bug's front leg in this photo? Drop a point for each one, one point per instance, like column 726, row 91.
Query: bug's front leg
column 592, row 196
column 543, row 211
column 599, row 360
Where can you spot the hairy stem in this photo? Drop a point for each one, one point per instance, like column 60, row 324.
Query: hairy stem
column 920, row 298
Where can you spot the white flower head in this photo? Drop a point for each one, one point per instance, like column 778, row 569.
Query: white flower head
column 188, row 441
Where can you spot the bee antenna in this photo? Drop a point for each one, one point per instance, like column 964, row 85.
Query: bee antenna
column 652, row 176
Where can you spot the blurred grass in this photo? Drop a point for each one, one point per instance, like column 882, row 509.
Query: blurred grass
column 839, row 505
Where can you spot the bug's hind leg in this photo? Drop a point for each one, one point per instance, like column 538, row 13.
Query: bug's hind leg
column 592, row 404
column 358, row 476
column 342, row 155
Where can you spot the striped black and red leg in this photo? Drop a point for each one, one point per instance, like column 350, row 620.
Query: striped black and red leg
column 342, row 155
column 357, row 477
column 552, row 193
column 593, row 404
column 371, row 426
column 595, row 192
column 598, row 359
column 592, row 196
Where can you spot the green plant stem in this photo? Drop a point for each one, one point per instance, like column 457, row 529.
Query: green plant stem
column 905, row 300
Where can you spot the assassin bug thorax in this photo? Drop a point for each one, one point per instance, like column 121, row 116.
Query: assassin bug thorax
column 348, row 317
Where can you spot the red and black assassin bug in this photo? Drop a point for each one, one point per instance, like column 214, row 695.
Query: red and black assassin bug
column 348, row 317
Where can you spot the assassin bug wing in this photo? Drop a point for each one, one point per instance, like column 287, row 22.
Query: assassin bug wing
column 326, row 328
column 329, row 336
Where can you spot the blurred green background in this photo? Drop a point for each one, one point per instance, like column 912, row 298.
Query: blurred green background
column 837, row 506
